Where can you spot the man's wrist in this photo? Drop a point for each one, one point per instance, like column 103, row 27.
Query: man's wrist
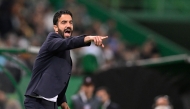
column 62, row 104
column 87, row 39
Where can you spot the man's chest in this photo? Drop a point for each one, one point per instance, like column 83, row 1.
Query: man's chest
column 64, row 55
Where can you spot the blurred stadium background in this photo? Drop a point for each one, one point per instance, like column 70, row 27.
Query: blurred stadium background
column 146, row 55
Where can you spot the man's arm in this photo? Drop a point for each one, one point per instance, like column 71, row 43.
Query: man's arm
column 56, row 43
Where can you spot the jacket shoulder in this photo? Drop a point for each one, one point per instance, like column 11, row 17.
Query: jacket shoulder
column 53, row 34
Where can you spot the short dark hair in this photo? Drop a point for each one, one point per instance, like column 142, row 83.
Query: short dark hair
column 88, row 81
column 58, row 15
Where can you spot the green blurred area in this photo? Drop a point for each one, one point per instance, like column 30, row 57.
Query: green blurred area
column 132, row 32
column 168, row 18
column 156, row 6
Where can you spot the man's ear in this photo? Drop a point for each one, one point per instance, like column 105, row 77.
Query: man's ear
column 55, row 28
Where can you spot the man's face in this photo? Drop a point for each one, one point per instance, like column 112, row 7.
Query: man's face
column 64, row 26
column 162, row 101
column 88, row 89
column 103, row 95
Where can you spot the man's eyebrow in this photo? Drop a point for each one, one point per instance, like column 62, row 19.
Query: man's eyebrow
column 64, row 21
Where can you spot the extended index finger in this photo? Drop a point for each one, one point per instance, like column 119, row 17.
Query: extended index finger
column 104, row 37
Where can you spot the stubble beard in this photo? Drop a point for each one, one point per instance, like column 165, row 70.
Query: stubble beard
column 61, row 32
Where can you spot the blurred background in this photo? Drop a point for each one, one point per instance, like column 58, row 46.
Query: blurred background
column 145, row 62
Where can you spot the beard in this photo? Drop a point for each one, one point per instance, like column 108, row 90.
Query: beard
column 66, row 33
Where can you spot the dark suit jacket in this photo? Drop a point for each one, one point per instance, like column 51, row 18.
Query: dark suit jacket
column 52, row 68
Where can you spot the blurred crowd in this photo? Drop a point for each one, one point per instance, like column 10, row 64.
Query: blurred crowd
column 91, row 97
column 27, row 23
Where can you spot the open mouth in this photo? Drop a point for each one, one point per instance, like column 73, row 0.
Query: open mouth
column 67, row 33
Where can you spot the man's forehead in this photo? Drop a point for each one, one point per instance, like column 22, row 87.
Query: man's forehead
column 65, row 17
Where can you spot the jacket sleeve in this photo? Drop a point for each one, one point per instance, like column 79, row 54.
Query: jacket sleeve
column 61, row 100
column 57, row 43
column 62, row 97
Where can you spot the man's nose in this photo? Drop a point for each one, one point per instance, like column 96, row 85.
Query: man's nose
column 68, row 25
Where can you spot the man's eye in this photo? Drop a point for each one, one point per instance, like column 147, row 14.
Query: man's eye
column 63, row 22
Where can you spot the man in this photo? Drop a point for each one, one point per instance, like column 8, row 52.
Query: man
column 104, row 95
column 52, row 68
column 162, row 102
column 85, row 98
